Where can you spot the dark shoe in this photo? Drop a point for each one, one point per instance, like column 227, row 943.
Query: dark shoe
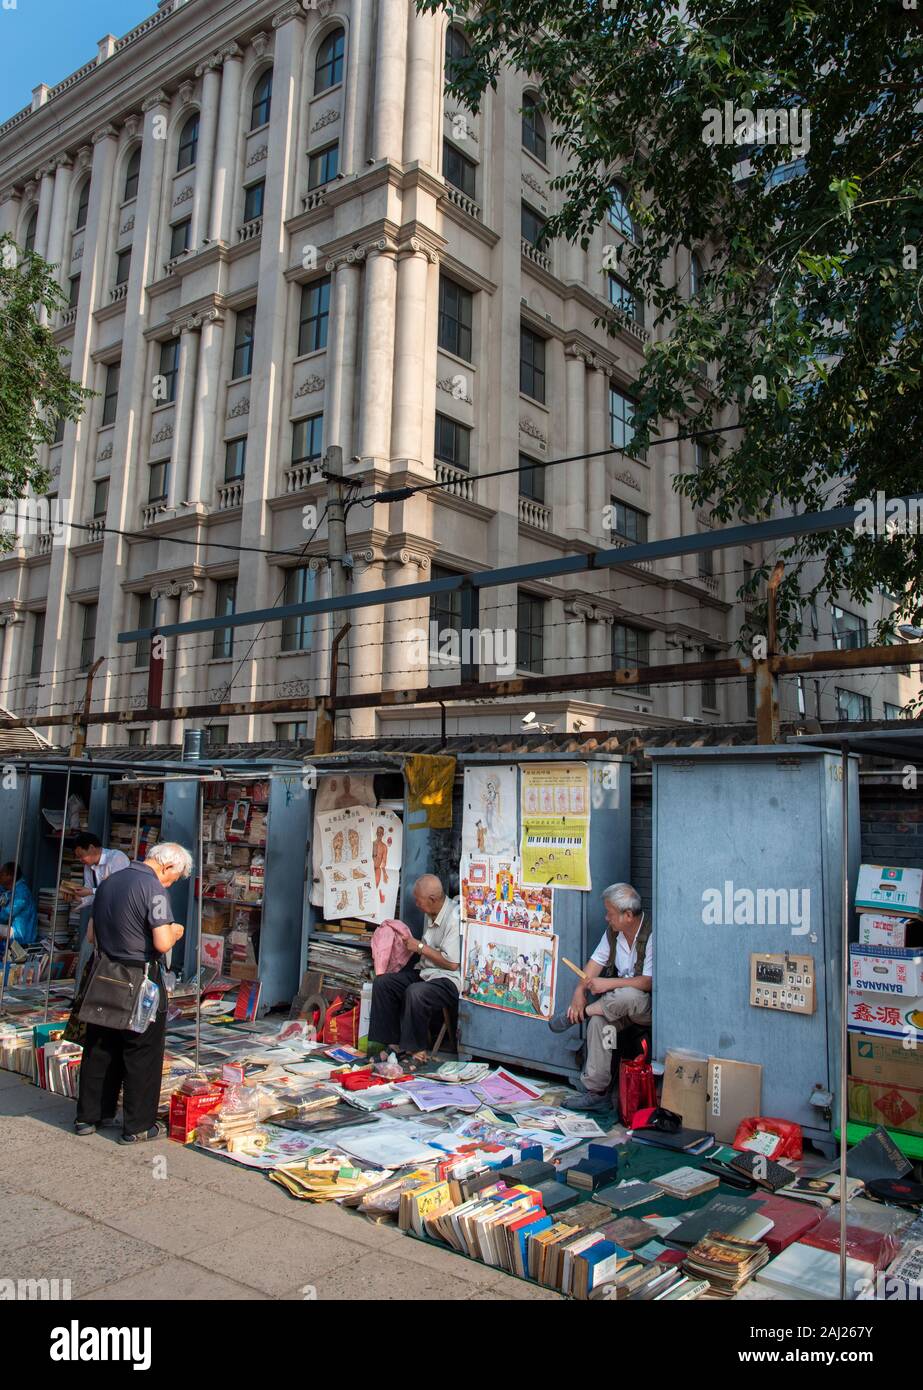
column 83, row 1129
column 156, row 1132
column 110, row 1123
column 588, row 1100
column 560, row 1023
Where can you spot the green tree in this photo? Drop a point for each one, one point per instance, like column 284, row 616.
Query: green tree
column 809, row 305
column 35, row 388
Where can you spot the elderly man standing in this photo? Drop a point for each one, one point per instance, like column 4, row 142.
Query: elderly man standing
column 406, row 1003
column 616, row 990
column 132, row 925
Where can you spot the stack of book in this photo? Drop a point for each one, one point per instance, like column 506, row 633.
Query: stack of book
column 725, row 1262
column 600, row 1168
column 686, row 1182
column 342, row 965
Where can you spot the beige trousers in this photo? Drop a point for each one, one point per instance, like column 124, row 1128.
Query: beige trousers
column 620, row 1007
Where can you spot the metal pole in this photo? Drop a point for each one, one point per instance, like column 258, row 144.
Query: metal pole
column 138, row 824
column 201, row 879
column 336, row 551
column 57, row 894
column 844, row 1015
column 6, row 954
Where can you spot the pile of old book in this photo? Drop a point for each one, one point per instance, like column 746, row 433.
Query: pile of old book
column 725, row 1262
column 324, row 1177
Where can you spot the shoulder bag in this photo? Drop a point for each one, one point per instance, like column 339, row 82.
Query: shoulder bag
column 110, row 996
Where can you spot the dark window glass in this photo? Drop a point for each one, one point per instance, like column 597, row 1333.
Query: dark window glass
column 710, row 685
column 38, row 637
column 308, row 439
column 456, row 47
column 453, row 442
column 851, row 705
column 619, row 214
column 123, row 266
column 262, row 100
column 179, row 237
column 628, row 522
column 894, row 711
column 235, row 459
column 59, row 429
column 253, row 201
column 299, row 588
column 695, row 275
column 243, row 344
column 169, row 368
column 446, row 611
column 631, row 648
column 216, row 735
column 706, row 560
column 849, row 630
column 533, row 128
column 188, row 143
column 139, row 738
column 293, row 732
column 323, row 166
column 455, row 318
column 225, row 604
column 531, row 364
column 131, row 176
column 74, row 292
column 158, row 480
column 531, row 479
column 457, row 169
column 621, row 418
column 532, row 224
column 88, row 636
column 83, row 207
column 315, row 312
column 100, row 498
column 328, row 70
column 111, row 396
column 621, row 297
column 30, row 231
column 147, row 617
column 530, row 633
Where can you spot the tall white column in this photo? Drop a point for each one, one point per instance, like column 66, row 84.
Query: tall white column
column 377, row 352
column 402, row 625
column 600, row 641
column 597, row 438
column 12, row 628
column 200, row 485
column 184, row 654
column 210, row 73
column 423, row 89
column 365, row 641
column 224, row 178
column 46, row 179
column 669, row 500
column 57, row 227
column 358, row 67
column 411, row 351
column 10, row 206
column 341, row 350
column 185, row 410
column 390, row 67
column 575, row 476
column 576, row 634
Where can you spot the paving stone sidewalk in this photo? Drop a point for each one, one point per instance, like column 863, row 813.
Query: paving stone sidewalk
column 164, row 1222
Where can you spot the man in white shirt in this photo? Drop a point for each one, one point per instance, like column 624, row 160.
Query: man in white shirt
column 616, row 990
column 98, row 863
column 406, row 1003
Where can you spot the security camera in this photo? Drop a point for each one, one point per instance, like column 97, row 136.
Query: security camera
column 529, row 718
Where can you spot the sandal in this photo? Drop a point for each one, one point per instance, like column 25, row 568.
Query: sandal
column 157, row 1132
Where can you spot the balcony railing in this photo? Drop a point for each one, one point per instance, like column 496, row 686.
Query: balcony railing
column 118, row 292
column 461, row 200
column 711, row 582
column 301, row 475
column 44, row 542
column 68, row 317
column 534, row 514
column 456, row 481
column 95, row 529
column 151, row 512
column 532, row 253
column 250, row 229
column 230, row 495
column 317, row 198
column 621, row 543
column 628, row 324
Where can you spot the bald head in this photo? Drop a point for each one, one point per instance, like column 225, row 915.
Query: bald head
column 429, row 894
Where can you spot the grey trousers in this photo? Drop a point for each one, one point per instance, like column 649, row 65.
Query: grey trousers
column 620, row 1007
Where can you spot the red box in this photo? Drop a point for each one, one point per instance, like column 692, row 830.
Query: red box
column 186, row 1111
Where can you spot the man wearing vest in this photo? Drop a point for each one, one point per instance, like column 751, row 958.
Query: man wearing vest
column 616, row 991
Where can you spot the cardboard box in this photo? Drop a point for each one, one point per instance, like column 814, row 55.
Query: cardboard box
column 685, row 1086
column 734, row 1090
column 889, row 888
column 886, row 970
column 882, row 929
column 882, row 1059
column 897, row 1016
column 186, row 1111
column 881, row 1103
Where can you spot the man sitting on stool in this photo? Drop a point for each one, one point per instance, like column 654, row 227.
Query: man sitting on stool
column 620, row 994
column 407, row 1002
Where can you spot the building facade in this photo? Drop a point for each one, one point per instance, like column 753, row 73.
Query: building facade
column 277, row 233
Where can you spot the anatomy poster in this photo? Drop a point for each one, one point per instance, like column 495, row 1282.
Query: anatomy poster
column 346, row 862
column 490, row 818
column 387, row 839
column 336, row 793
column 555, row 848
column 511, row 970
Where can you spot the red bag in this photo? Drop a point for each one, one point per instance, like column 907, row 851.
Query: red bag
column 783, row 1137
column 341, row 1028
column 636, row 1085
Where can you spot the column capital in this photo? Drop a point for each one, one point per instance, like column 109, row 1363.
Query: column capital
column 195, row 321
column 382, row 246
column 11, row 191
column 211, row 64
column 578, row 352
column 260, row 43
column 600, row 616
column 186, row 91
column 30, row 190
column 46, row 170
column 407, row 556
column 158, row 98
column 11, row 618
column 84, row 158
column 287, row 12
column 132, row 124
column 353, row 257
column 231, row 53
column 62, row 161
column 105, row 132
column 318, row 563
column 578, row 608
column 172, row 588
column 417, row 247
column 367, row 557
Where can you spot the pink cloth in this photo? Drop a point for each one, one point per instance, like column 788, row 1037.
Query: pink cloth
column 389, row 951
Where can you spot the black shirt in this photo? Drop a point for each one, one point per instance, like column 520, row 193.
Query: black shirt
column 126, row 909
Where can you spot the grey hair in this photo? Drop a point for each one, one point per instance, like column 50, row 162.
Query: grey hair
column 171, row 856
column 624, row 897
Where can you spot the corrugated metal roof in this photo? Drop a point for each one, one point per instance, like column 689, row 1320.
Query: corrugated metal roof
column 20, row 740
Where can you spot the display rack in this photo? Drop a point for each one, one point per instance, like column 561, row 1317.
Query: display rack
column 235, row 827
column 135, row 816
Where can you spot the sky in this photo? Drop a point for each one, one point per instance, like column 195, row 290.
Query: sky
column 47, row 40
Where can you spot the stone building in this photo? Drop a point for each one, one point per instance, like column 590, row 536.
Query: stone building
column 277, row 233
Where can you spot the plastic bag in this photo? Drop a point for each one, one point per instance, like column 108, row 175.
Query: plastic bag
column 145, row 1006
column 770, row 1137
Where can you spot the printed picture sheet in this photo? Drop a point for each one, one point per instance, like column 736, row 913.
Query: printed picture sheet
column 503, row 968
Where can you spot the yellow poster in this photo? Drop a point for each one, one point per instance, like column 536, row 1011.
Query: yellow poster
column 555, row 845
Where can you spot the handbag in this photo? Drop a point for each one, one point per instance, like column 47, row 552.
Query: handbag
column 74, row 1030
column 636, row 1085
column 110, row 995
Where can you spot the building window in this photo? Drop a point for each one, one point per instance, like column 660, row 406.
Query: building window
column 328, row 70
column 631, row 648
column 158, row 479
column 323, row 166
column 299, row 588
column 38, row 638
column 308, row 439
column 73, row 292
column 315, row 313
column 82, row 207
column 262, row 101
column 530, row 633
column 894, row 711
column 695, row 275
column 293, row 732
column 624, row 299
column 533, row 128
column 123, row 266
column 100, row 498
column 457, row 169
column 253, row 201
column 531, row 479
column 621, row 418
column 627, row 522
column 706, row 559
column 169, row 368
column 225, row 605
column 455, row 318
column 751, row 698
column 147, row 617
column 532, row 224
column 619, row 214
column 131, row 176
column 111, row 396
column 216, row 735
column 179, row 237
column 243, row 344
column 457, row 49
column 88, row 635
column 849, row 630
column 30, row 232
column 59, row 430
column 139, row 738
column 188, row 144
column 445, row 610
column 453, row 442
column 709, row 684
column 851, row 705
column 531, row 364
column 235, row 459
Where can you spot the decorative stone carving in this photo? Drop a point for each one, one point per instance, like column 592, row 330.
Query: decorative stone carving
column 230, row 53
column 7, row 193
column 132, row 125
column 534, row 184
column 184, row 195
column 258, row 155
column 78, row 254
column 211, row 64
column 128, row 227
column 186, row 92
column 195, row 321
column 530, row 428
column 579, row 352
column 419, row 247
column 84, row 158
column 310, row 385
column 325, row 118
column 241, row 408
column 294, row 689
column 447, row 384
column 293, row 11
column 158, row 98
column 317, row 563
column 350, row 257
column 105, row 453
column 627, row 479
column 408, row 557
column 466, row 116
column 105, row 132
column 162, row 435
column 219, row 693
column 260, row 43
column 172, row 588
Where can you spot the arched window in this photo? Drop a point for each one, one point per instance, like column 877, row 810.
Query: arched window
column 695, row 275
column 619, row 215
column 328, row 70
column 533, row 128
column 457, row 47
column 30, row 231
column 188, row 143
column 131, row 176
column 262, row 100
column 83, row 204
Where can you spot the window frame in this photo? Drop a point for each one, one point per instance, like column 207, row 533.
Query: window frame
column 110, row 394
column 185, row 225
column 627, row 423
column 173, row 346
column 320, row 317
column 622, row 656
column 626, row 301
column 468, row 167
column 243, row 342
column 263, row 103
column 527, row 211
column 530, row 636
column 316, row 158
column 623, row 222
column 240, row 455
column 153, row 467
column 635, row 521
column 533, row 135
column 335, row 62
column 306, row 426
column 147, row 617
column 532, row 373
column 300, row 587
column 132, row 175
column 223, row 637
column 100, row 512
column 258, row 187
column 39, row 617
column 188, row 143
column 83, row 207
column 123, row 263
column 445, row 425
column 531, row 468
column 86, row 657
column 456, row 319
column 864, row 701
